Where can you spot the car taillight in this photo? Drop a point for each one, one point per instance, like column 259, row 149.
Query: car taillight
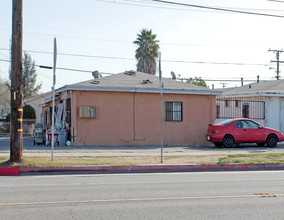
column 215, row 131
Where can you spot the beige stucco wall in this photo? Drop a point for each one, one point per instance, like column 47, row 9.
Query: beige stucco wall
column 36, row 103
column 135, row 119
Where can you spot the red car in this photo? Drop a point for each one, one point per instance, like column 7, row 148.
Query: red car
column 242, row 130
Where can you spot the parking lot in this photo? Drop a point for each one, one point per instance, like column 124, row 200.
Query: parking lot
column 41, row 150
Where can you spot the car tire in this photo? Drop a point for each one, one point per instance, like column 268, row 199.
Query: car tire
column 260, row 144
column 272, row 140
column 218, row 144
column 228, row 141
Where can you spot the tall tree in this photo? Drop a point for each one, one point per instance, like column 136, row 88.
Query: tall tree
column 147, row 51
column 30, row 86
column 197, row 81
column 4, row 98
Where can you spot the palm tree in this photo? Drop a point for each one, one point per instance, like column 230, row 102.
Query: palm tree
column 147, row 51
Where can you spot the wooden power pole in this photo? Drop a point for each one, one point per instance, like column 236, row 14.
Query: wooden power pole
column 277, row 61
column 16, row 138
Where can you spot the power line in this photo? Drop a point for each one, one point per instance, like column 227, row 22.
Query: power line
column 151, row 6
column 218, row 9
column 276, row 1
column 104, row 73
column 176, row 7
column 61, row 68
column 169, row 61
column 131, row 42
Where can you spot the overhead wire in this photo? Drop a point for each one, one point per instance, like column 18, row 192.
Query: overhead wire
column 125, row 58
column 104, row 73
column 219, row 9
column 178, row 6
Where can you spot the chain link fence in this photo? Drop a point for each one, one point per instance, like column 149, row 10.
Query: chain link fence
column 27, row 127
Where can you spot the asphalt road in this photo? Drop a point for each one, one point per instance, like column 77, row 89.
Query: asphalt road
column 40, row 150
column 220, row 195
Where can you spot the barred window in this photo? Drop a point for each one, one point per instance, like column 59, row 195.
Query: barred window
column 68, row 108
column 173, row 111
column 87, row 112
column 237, row 103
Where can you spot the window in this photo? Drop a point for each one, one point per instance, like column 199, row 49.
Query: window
column 68, row 108
column 173, row 111
column 247, row 124
column 87, row 112
column 217, row 111
column 237, row 103
column 245, row 111
column 225, row 122
column 226, row 103
column 250, row 124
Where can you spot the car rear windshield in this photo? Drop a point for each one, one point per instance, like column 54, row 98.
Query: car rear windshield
column 226, row 122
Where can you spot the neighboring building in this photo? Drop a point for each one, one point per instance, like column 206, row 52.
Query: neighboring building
column 125, row 109
column 4, row 100
column 263, row 102
column 36, row 102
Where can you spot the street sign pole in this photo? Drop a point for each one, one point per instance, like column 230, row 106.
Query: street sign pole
column 53, row 96
column 161, row 86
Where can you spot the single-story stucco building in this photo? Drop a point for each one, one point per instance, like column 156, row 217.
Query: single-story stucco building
column 125, row 109
column 262, row 101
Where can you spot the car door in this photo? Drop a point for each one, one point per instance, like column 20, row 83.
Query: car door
column 251, row 132
column 239, row 132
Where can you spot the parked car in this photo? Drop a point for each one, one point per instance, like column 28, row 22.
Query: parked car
column 242, row 130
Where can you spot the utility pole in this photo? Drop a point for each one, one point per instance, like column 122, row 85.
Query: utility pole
column 277, row 61
column 224, row 85
column 16, row 137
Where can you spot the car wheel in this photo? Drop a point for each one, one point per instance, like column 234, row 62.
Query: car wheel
column 218, row 144
column 260, row 144
column 228, row 141
column 272, row 140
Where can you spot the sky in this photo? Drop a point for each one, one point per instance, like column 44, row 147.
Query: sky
column 194, row 42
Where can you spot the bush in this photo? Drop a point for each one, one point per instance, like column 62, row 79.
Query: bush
column 28, row 112
column 7, row 119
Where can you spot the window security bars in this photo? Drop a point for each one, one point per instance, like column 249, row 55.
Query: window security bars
column 253, row 108
column 173, row 111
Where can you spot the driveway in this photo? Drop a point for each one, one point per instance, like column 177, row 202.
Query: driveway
column 40, row 150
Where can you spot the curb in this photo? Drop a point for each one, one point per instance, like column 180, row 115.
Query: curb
column 9, row 171
column 25, row 171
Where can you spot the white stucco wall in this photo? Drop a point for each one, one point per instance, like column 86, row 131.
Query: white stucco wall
column 274, row 112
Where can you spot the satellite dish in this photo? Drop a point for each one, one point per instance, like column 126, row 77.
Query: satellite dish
column 173, row 75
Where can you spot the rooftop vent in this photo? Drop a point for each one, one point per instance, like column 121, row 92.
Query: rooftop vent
column 147, row 81
column 95, row 82
column 130, row 73
column 96, row 74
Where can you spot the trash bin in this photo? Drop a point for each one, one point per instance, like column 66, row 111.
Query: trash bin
column 55, row 138
column 38, row 133
column 63, row 134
